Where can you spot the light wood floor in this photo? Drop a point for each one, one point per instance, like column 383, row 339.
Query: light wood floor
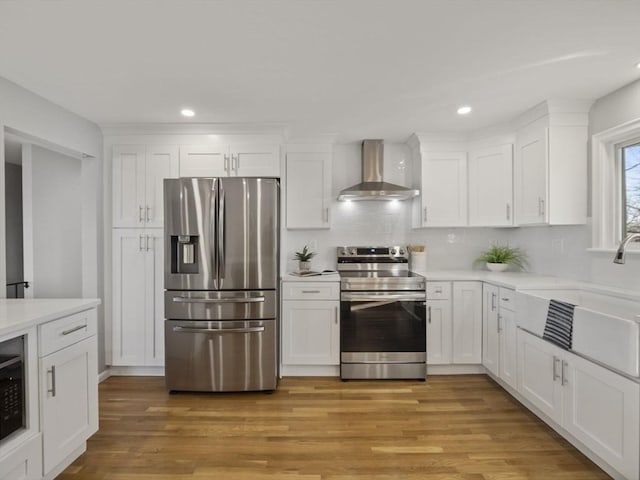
column 450, row 427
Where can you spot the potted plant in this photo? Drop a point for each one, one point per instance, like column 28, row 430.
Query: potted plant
column 500, row 257
column 304, row 259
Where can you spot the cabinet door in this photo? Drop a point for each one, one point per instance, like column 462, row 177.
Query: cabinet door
column 69, row 400
column 444, row 189
column 161, row 162
column 129, row 298
column 467, row 322
column 128, row 183
column 249, row 160
column 491, row 186
column 531, row 173
column 490, row 335
column 438, row 332
column 539, row 372
column 310, row 332
column 308, row 190
column 601, row 410
column 154, row 298
column 508, row 347
column 204, row 161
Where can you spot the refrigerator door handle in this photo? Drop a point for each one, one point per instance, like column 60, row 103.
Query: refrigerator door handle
column 218, row 300
column 218, row 330
column 221, row 225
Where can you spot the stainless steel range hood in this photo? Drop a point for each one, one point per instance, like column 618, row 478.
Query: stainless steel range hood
column 372, row 187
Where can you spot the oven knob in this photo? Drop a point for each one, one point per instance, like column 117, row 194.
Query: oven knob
column 353, row 251
column 342, row 252
column 394, row 251
column 402, row 251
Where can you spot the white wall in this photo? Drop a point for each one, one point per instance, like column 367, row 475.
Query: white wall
column 54, row 222
column 38, row 119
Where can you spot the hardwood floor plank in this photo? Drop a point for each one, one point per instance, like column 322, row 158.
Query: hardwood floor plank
column 450, row 427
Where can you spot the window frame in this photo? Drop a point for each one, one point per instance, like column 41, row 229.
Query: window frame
column 620, row 157
column 607, row 192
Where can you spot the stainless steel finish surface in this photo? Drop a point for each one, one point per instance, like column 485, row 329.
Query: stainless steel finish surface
column 384, row 283
column 391, row 252
column 221, row 305
column 74, row 329
column 383, row 357
column 250, row 228
column 378, row 296
column 621, row 253
column 226, row 231
column 383, row 371
column 191, row 211
column 372, row 186
column 221, row 356
column 52, row 390
column 366, row 267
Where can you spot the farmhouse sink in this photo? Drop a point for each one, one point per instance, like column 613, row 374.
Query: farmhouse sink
column 606, row 328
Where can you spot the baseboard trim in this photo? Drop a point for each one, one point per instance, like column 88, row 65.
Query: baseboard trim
column 118, row 371
column 455, row 369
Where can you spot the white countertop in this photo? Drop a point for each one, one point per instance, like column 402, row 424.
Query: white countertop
column 331, row 277
column 18, row 314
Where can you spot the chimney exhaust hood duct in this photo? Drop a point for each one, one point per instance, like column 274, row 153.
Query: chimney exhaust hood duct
column 372, row 187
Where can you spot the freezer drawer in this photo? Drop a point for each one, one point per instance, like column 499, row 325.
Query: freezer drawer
column 216, row 305
column 226, row 356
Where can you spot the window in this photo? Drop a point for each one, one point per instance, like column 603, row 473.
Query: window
column 630, row 157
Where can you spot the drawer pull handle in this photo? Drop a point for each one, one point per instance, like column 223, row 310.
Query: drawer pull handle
column 310, row 291
column 52, row 390
column 74, row 329
column 504, row 299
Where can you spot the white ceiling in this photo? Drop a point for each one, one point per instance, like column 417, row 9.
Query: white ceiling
column 355, row 68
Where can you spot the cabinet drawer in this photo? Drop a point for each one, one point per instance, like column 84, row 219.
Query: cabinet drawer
column 438, row 290
column 311, row 291
column 66, row 331
column 507, row 299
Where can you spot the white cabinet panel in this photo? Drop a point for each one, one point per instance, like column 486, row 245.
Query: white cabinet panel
column 601, row 410
column 223, row 160
column 23, row 463
column 138, row 310
column 508, row 347
column 252, row 160
column 68, row 400
column 444, row 189
column 490, row 334
column 128, row 181
column 204, row 161
column 310, row 332
column 491, row 186
column 308, row 189
column 138, row 172
column 538, row 371
column 531, row 178
column 438, row 331
column 467, row 322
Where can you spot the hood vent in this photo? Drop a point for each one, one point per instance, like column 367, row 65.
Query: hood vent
column 372, row 187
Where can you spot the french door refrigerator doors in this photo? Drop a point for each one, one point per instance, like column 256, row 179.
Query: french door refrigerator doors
column 248, row 233
column 221, row 233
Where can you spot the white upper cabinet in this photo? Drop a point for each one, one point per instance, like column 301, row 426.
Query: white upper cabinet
column 551, row 166
column 491, row 186
column 138, row 172
column 308, row 189
column 235, row 160
column 443, row 189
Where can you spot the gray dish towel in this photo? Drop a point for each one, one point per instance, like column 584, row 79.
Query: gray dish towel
column 559, row 326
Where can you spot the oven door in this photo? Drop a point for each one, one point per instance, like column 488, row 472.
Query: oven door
column 383, row 327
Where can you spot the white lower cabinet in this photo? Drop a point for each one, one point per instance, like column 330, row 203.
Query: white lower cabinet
column 311, row 323
column 23, row 463
column 597, row 406
column 499, row 333
column 454, row 323
column 138, row 297
column 68, row 366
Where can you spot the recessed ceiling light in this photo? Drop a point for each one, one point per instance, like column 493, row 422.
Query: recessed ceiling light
column 638, row 65
column 464, row 110
column 187, row 112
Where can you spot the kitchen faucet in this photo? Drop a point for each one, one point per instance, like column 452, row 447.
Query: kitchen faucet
column 619, row 258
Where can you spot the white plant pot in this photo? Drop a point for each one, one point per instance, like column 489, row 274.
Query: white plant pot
column 497, row 267
column 304, row 266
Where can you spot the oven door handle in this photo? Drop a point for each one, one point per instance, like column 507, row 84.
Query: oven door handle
column 382, row 297
column 218, row 300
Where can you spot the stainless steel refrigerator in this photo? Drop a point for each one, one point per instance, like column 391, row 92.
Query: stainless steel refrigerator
column 221, row 278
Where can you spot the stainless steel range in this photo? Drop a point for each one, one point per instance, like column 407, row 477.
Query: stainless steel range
column 382, row 315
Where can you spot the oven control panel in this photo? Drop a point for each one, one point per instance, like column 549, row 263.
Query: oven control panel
column 396, row 252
